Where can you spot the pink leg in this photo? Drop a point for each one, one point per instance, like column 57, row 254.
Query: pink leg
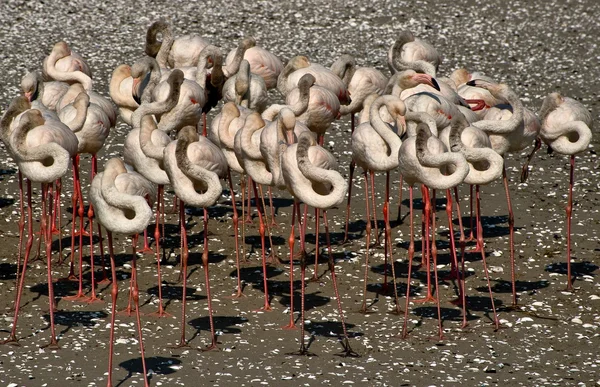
column 364, row 308
column 485, row 268
column 350, row 174
column 46, row 219
column 315, row 276
column 377, row 241
column 249, row 207
column 569, row 211
column 411, row 253
column 273, row 259
column 388, row 242
column 511, row 237
column 74, row 201
column 136, row 299
column 12, row 339
column 331, row 263
column 427, row 214
column 114, row 293
column 21, row 225
column 472, row 228
column 453, row 260
column 399, row 218
column 213, row 335
column 161, row 311
column 292, row 241
column 243, row 189
column 273, row 222
column 236, row 222
column 261, row 229
column 184, row 260
column 435, row 271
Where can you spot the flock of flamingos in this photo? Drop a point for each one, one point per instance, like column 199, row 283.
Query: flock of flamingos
column 438, row 131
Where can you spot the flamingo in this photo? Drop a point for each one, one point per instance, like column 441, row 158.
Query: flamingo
column 232, row 66
column 246, row 88
column 310, row 174
column 300, row 65
column 262, row 63
column 181, row 52
column 423, row 159
column 119, row 197
column 375, row 148
column 485, row 166
column 510, row 130
column 121, row 92
column 149, row 163
column 47, row 93
column 195, row 164
column 43, row 151
column 566, row 129
column 410, row 52
column 62, row 64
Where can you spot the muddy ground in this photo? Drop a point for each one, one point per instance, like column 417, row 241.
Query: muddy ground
column 551, row 339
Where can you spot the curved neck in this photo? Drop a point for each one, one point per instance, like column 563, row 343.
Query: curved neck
column 572, row 137
column 339, row 187
column 196, row 174
column 162, row 56
column 234, row 66
column 434, row 178
column 121, row 73
column 16, row 107
column 242, row 84
column 344, row 67
column 154, row 80
column 421, row 117
column 383, row 130
column 229, row 113
column 81, row 104
column 504, row 126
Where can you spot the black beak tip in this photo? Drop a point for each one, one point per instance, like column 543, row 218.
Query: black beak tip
column 435, row 83
column 471, row 83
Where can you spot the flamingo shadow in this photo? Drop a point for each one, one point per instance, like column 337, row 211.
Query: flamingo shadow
column 71, row 319
column 158, row 364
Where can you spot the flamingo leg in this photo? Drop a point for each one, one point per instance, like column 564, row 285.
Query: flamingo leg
column 435, row 271
column 485, row 268
column 350, row 175
column 136, row 300
column 184, row 261
column 74, row 201
column 399, row 218
column 386, row 251
column 331, row 263
column 292, row 242
column 315, row 276
column 462, row 298
column 569, row 211
column 213, row 335
column 58, row 219
column 411, row 253
column 511, row 237
column 427, row 214
column 272, row 255
column 236, row 226
column 303, row 348
column 114, row 292
column 161, row 311
column 12, row 339
column 472, row 228
column 243, row 189
column 80, row 296
column 460, row 223
column 273, row 223
column 21, row 224
column 453, row 259
column 261, row 229
column 364, row 308
column 46, row 220
column 388, row 243
column 377, row 240
column 248, row 219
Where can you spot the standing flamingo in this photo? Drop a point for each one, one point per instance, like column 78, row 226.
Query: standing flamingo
column 485, row 166
column 375, row 147
column 423, row 159
column 511, row 130
column 43, row 151
column 566, row 128
column 195, row 164
column 181, row 52
column 410, row 52
column 120, row 201
column 310, row 174
column 262, row 63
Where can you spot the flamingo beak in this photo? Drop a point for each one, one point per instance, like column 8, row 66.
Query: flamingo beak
column 28, row 95
column 427, row 80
